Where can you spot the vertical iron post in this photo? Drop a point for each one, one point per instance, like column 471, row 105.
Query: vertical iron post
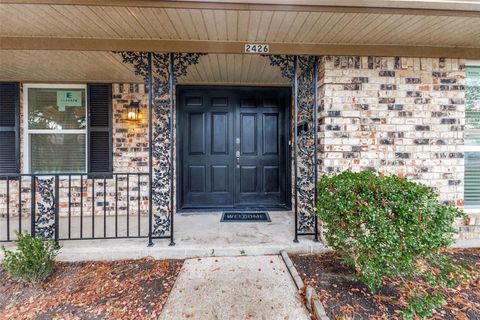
column 69, row 206
column 57, row 203
column 315, row 133
column 138, row 204
column 172, row 133
column 116, row 206
column 295, row 144
column 104, row 207
column 128, row 205
column 32, row 206
column 20, row 204
column 93, row 206
column 81, row 207
column 8, row 208
column 150, row 149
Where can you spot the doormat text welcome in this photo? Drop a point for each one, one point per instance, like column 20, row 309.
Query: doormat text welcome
column 245, row 217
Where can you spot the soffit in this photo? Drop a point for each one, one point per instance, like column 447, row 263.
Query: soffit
column 98, row 66
column 270, row 26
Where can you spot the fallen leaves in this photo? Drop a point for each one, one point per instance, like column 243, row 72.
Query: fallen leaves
column 127, row 289
column 346, row 298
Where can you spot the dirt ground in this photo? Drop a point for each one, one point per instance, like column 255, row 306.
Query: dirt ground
column 127, row 289
column 346, row 298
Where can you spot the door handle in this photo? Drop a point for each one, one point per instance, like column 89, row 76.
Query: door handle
column 237, row 155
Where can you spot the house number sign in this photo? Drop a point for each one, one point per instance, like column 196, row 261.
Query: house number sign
column 256, row 48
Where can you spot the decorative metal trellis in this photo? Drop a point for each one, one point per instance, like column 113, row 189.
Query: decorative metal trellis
column 302, row 71
column 45, row 222
column 160, row 72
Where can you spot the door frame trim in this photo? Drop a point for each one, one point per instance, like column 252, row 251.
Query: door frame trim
column 179, row 155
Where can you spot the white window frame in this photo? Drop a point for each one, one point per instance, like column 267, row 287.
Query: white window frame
column 472, row 63
column 26, row 131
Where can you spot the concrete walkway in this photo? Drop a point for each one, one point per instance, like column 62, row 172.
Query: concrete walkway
column 234, row 288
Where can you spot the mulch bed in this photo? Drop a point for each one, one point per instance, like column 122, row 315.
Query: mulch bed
column 346, row 298
column 127, row 289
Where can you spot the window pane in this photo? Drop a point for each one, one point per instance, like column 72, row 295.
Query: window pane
column 472, row 95
column 472, row 137
column 56, row 108
column 472, row 179
column 57, row 153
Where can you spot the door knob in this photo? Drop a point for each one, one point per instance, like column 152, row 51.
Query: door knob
column 237, row 155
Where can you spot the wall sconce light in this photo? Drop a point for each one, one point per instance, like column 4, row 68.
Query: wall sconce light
column 133, row 110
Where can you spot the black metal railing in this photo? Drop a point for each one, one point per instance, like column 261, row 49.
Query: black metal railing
column 75, row 206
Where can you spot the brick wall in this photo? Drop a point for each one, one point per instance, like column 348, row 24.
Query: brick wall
column 130, row 138
column 400, row 116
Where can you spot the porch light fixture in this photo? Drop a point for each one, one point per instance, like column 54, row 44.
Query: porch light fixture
column 133, row 110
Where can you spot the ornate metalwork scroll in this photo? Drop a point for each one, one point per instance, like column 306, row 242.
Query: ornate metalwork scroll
column 305, row 131
column 306, row 144
column 161, row 140
column 45, row 216
column 285, row 63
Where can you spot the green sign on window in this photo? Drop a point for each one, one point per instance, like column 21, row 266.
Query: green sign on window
column 473, row 76
column 473, row 72
column 68, row 99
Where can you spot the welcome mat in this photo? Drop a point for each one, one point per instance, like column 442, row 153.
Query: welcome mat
column 231, row 216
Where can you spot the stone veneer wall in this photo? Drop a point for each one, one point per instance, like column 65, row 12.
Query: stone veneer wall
column 394, row 115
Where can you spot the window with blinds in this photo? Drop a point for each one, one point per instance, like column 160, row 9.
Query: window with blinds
column 472, row 138
column 56, row 128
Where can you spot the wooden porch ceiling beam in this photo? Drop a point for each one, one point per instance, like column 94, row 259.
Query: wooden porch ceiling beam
column 439, row 8
column 231, row 47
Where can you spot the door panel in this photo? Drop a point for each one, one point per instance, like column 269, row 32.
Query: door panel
column 248, row 134
column 271, row 179
column 220, row 178
column 196, row 127
column 262, row 173
column 270, row 132
column 205, row 144
column 219, row 131
column 248, row 179
column 196, row 178
column 233, row 147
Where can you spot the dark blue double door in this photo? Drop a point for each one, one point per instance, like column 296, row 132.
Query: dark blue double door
column 233, row 147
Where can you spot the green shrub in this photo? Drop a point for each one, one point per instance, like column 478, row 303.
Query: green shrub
column 384, row 225
column 33, row 260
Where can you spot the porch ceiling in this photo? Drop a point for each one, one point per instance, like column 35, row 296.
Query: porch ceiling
column 101, row 66
column 192, row 26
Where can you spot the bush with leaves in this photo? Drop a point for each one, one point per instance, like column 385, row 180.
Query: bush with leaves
column 33, row 261
column 383, row 226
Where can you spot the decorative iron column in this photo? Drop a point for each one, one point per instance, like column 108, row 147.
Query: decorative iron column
column 150, row 148
column 303, row 75
column 165, row 68
column 315, row 136
column 45, row 208
column 295, row 142
column 171, row 84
